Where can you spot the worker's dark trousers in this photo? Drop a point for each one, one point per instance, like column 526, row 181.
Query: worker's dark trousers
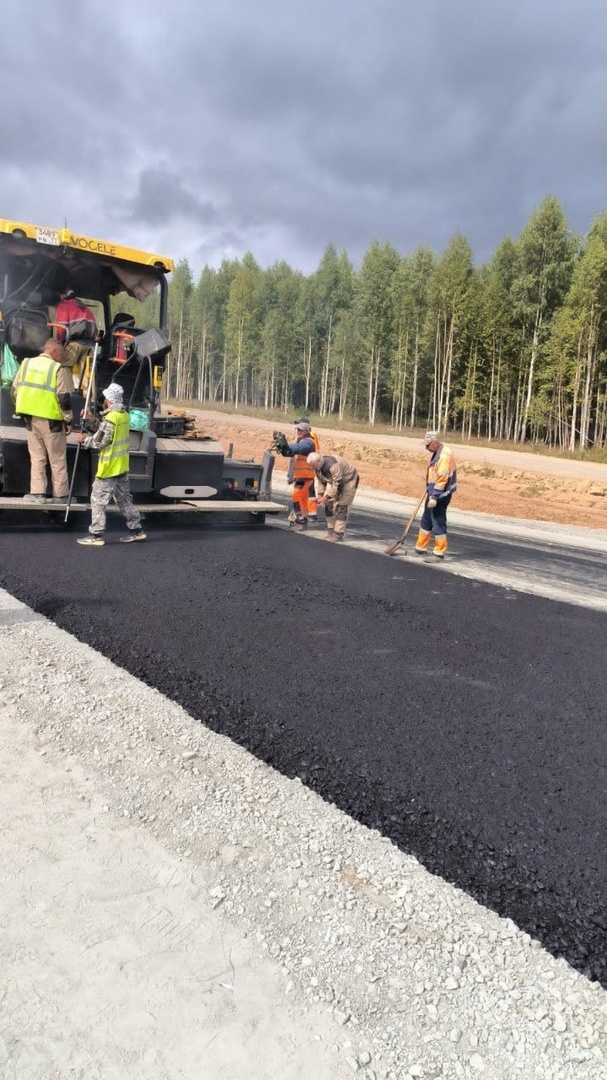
column 436, row 520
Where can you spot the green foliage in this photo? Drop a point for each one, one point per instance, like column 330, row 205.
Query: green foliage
column 513, row 349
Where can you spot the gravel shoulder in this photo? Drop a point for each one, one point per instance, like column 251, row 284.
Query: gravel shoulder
column 173, row 908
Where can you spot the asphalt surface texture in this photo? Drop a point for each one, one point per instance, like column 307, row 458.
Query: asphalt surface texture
column 527, row 563
column 462, row 720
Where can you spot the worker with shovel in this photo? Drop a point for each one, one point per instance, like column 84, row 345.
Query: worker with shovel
column 441, row 482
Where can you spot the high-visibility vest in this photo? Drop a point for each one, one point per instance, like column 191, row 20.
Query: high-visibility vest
column 37, row 388
column 114, row 458
column 441, row 478
column 301, row 469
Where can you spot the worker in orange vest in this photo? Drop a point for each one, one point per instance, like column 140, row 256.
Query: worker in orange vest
column 312, row 503
column 441, row 482
column 300, row 473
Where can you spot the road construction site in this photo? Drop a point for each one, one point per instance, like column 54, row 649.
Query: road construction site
column 384, row 718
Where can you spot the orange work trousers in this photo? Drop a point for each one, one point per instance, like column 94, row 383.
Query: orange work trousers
column 301, row 490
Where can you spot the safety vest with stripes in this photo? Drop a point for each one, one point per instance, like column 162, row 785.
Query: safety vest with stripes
column 37, row 388
column 114, row 458
column 441, row 478
column 301, row 469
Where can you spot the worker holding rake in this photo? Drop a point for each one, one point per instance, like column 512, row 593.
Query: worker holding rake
column 441, row 482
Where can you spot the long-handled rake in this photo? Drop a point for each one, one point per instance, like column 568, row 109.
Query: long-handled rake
column 398, row 543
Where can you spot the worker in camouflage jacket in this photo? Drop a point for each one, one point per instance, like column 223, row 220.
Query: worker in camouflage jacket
column 111, row 438
column 336, row 484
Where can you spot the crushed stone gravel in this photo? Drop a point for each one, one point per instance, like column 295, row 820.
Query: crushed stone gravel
column 421, row 980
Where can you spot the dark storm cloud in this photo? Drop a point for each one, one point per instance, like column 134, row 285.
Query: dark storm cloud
column 208, row 129
column 161, row 197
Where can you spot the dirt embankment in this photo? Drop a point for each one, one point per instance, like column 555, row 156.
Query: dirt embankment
column 482, row 486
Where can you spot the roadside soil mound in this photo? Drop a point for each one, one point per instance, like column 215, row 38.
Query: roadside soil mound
column 482, row 486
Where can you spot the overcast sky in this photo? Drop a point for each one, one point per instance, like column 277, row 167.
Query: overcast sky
column 208, row 128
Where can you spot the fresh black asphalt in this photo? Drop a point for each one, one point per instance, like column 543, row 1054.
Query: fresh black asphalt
column 464, row 721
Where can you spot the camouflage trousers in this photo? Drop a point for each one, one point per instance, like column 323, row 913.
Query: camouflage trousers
column 337, row 510
column 118, row 489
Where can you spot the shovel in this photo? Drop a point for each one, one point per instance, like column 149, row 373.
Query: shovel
column 398, row 543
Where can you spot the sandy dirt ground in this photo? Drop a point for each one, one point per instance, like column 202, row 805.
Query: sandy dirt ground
column 490, row 480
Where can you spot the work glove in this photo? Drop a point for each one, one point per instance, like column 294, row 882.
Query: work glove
column 280, row 443
column 431, row 504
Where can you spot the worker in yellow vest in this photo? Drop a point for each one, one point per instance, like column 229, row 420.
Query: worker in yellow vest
column 111, row 438
column 42, row 389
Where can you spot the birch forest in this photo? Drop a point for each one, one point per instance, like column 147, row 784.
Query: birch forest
column 512, row 350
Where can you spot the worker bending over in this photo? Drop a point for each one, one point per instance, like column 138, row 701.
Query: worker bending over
column 441, row 482
column 336, row 484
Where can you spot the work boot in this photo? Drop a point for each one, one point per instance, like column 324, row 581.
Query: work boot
column 59, row 499
column 91, row 541
column 440, row 547
column 133, row 536
column 301, row 522
column 422, row 543
column 335, row 537
column 38, row 499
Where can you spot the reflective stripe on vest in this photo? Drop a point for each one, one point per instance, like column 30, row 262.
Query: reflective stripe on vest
column 301, row 469
column 114, row 458
column 442, row 473
column 37, row 388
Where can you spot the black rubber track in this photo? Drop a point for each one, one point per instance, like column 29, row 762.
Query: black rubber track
column 466, row 722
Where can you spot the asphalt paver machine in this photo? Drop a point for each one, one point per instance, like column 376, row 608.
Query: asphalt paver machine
column 171, row 468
